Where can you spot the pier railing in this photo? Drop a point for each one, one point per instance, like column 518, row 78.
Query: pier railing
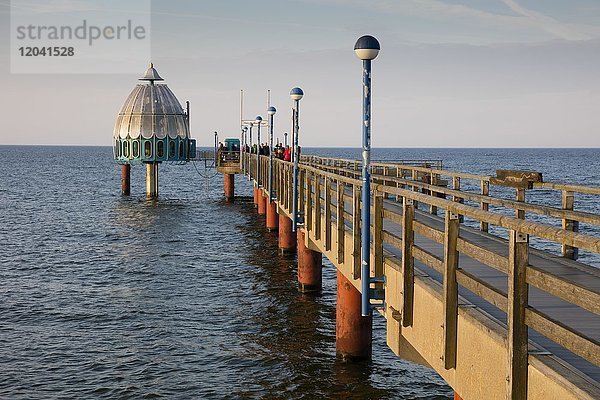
column 491, row 191
column 329, row 204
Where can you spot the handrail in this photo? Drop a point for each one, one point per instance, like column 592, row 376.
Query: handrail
column 324, row 195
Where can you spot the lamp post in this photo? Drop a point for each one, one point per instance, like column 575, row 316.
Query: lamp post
column 285, row 139
column 216, row 148
column 366, row 48
column 258, row 123
column 250, row 155
column 243, row 152
column 296, row 94
column 271, row 112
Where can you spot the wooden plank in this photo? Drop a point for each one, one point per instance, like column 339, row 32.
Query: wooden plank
column 328, row 221
column 568, row 201
column 392, row 239
column 483, row 255
column 378, row 236
column 428, row 232
column 518, row 260
column 568, row 291
column 485, row 191
column 356, row 194
column 341, row 228
column 482, row 289
column 452, row 226
column 408, row 267
column 569, row 338
column 428, row 258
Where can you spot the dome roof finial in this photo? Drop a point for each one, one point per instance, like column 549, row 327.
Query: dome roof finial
column 151, row 75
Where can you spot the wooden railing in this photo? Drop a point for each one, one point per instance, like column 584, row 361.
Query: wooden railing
column 329, row 199
column 442, row 183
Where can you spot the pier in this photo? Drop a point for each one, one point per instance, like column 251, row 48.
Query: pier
column 452, row 269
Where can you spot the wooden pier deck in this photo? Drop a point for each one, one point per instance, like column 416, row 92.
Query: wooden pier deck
column 466, row 289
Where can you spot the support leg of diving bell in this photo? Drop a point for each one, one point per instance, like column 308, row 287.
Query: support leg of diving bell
column 229, row 186
column 126, row 179
column 152, row 180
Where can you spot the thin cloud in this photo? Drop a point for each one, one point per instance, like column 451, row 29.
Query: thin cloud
column 547, row 23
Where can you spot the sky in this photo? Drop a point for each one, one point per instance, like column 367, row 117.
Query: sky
column 451, row 73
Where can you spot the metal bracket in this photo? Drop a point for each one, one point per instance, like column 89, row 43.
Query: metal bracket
column 376, row 294
column 453, row 215
column 377, row 279
column 521, row 237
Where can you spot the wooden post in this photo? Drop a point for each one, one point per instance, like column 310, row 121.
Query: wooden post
column 356, row 196
column 452, row 227
column 485, row 191
column 456, row 186
column 317, row 207
column 520, row 198
column 308, row 214
column 414, row 188
column 433, row 182
column 518, row 259
column 378, row 237
column 301, row 193
column 568, row 201
column 327, row 214
column 408, row 271
column 398, row 198
column 386, row 172
column 341, row 228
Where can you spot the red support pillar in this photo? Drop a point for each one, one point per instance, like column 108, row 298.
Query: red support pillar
column 262, row 203
column 255, row 197
column 352, row 330
column 229, row 186
column 310, row 265
column 126, row 179
column 457, row 397
column 272, row 217
column 287, row 238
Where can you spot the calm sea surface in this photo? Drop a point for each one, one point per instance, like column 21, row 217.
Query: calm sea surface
column 103, row 296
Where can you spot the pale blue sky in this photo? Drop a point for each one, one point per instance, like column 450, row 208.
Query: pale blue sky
column 451, row 73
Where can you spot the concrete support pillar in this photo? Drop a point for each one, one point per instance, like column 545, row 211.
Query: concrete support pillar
column 352, row 330
column 152, row 180
column 272, row 217
column 287, row 238
column 256, row 192
column 262, row 203
column 126, row 179
column 310, row 265
column 229, row 186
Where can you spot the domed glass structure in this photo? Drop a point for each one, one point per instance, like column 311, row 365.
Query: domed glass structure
column 152, row 127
